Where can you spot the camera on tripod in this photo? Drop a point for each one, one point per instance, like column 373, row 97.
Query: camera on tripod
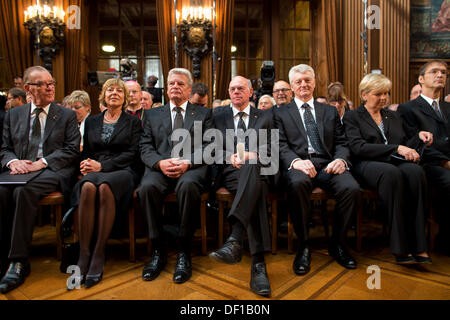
column 267, row 80
column 128, row 72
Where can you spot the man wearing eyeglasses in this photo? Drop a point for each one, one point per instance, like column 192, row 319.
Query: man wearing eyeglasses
column 429, row 112
column 38, row 136
column 282, row 93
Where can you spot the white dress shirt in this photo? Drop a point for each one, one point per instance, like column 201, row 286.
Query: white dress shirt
column 245, row 117
column 173, row 112
column 299, row 104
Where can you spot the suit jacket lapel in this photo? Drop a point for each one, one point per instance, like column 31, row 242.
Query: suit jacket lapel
column 229, row 118
column 52, row 119
column 121, row 124
column 189, row 117
column 166, row 118
column 368, row 119
column 319, row 120
column 253, row 117
column 24, row 124
column 427, row 109
column 295, row 114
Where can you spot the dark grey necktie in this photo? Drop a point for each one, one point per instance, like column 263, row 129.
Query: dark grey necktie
column 435, row 107
column 178, row 123
column 241, row 123
column 33, row 145
column 312, row 130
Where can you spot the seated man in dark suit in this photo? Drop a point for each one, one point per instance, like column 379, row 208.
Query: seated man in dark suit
column 428, row 112
column 314, row 152
column 243, row 178
column 166, row 172
column 36, row 136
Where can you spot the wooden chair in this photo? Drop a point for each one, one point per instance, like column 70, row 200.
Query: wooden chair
column 170, row 198
column 223, row 196
column 55, row 200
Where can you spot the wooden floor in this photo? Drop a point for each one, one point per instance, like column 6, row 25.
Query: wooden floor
column 214, row 281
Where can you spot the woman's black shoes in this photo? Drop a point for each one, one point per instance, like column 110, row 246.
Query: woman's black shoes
column 92, row 280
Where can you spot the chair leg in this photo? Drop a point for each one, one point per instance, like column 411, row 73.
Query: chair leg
column 58, row 220
column 274, row 206
column 290, row 235
column 323, row 212
column 132, row 235
column 220, row 227
column 203, row 225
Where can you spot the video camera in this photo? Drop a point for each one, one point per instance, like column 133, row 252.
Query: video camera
column 267, row 80
column 128, row 72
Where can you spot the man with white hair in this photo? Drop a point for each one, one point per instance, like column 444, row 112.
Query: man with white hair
column 165, row 174
column 314, row 153
column 146, row 100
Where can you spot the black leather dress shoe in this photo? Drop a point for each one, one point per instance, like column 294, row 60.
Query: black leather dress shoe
column 157, row 262
column 341, row 255
column 15, row 276
column 302, row 261
column 259, row 282
column 231, row 252
column 420, row 259
column 405, row 259
column 183, row 268
column 92, row 280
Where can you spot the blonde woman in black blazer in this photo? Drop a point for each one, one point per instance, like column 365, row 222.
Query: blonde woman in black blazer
column 111, row 144
column 386, row 161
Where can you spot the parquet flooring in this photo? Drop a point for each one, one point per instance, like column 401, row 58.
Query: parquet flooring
column 214, row 281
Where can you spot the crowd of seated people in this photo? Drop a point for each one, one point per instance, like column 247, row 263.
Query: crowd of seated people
column 99, row 160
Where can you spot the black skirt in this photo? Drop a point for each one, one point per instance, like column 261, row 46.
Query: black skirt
column 121, row 182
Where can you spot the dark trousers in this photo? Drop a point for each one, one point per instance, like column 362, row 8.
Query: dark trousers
column 439, row 178
column 155, row 186
column 18, row 210
column 402, row 190
column 344, row 188
column 249, row 205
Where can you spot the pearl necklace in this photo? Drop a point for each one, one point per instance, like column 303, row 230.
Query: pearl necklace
column 107, row 118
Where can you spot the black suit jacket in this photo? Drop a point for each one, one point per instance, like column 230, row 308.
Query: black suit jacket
column 61, row 146
column 156, row 144
column 365, row 139
column 294, row 140
column 223, row 120
column 418, row 115
column 121, row 152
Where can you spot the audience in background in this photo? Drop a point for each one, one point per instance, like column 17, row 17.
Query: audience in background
column 18, row 82
column 322, row 99
column 392, row 107
column 266, row 102
column 156, row 93
column 80, row 102
column 16, row 97
column 282, row 93
column 216, row 103
column 146, row 100
column 134, row 105
column 337, row 98
column 225, row 102
column 199, row 94
column 415, row 91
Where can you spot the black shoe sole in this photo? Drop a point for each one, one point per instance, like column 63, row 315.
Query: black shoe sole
column 264, row 293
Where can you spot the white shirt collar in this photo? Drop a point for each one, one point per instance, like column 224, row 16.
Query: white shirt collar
column 33, row 106
column 429, row 100
column 183, row 106
column 300, row 103
column 236, row 111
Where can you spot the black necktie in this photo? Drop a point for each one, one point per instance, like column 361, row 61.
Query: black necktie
column 178, row 123
column 33, row 145
column 312, row 130
column 435, row 107
column 241, row 123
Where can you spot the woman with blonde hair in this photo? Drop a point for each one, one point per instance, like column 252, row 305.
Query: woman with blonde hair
column 108, row 167
column 386, row 161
